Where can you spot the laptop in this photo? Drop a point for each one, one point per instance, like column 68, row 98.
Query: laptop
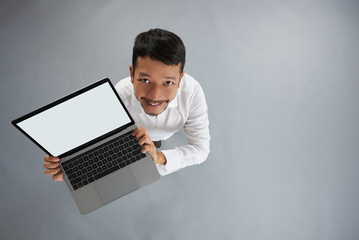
column 90, row 131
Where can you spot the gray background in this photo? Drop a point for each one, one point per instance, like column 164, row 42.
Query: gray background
column 281, row 81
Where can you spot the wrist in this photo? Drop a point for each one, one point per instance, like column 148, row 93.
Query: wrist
column 161, row 158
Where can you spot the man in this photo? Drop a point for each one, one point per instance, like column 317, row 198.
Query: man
column 162, row 99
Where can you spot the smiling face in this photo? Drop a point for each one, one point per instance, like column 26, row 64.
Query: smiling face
column 155, row 84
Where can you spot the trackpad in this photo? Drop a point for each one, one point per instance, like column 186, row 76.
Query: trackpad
column 116, row 185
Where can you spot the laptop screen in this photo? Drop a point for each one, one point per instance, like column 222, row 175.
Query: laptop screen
column 78, row 120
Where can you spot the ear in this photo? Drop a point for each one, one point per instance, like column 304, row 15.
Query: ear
column 181, row 76
column 131, row 73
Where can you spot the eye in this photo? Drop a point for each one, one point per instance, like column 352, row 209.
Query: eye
column 169, row 83
column 144, row 80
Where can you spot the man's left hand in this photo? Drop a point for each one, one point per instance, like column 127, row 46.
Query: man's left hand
column 144, row 140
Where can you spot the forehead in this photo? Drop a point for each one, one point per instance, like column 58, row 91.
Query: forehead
column 145, row 66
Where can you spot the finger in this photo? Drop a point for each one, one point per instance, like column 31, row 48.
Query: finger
column 50, row 164
column 145, row 140
column 58, row 177
column 137, row 130
column 140, row 133
column 51, row 159
column 52, row 171
column 151, row 149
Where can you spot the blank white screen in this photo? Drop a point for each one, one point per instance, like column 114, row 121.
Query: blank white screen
column 77, row 120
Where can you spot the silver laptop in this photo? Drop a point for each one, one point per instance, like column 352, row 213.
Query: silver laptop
column 90, row 131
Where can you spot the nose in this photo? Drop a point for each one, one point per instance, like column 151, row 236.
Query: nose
column 154, row 93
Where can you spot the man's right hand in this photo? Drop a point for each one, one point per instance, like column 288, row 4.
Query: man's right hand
column 52, row 166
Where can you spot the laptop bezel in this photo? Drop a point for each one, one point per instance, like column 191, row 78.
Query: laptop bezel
column 65, row 98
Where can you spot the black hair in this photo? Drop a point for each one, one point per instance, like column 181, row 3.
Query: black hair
column 160, row 45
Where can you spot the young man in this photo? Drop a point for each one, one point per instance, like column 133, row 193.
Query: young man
column 162, row 99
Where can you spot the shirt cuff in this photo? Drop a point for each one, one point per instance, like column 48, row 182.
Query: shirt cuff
column 173, row 158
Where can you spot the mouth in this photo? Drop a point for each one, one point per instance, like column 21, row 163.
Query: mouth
column 154, row 105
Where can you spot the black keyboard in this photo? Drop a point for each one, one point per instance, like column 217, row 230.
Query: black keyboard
column 102, row 160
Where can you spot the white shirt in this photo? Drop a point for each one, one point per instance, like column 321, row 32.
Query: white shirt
column 188, row 111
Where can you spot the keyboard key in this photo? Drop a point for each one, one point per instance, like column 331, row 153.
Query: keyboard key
column 77, row 180
column 136, row 152
column 108, row 171
column 72, row 177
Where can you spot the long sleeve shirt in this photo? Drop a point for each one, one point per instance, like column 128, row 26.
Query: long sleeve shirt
column 188, row 111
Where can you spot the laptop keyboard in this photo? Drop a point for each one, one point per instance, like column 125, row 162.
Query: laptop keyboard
column 102, row 160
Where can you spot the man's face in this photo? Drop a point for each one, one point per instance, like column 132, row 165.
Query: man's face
column 155, row 84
